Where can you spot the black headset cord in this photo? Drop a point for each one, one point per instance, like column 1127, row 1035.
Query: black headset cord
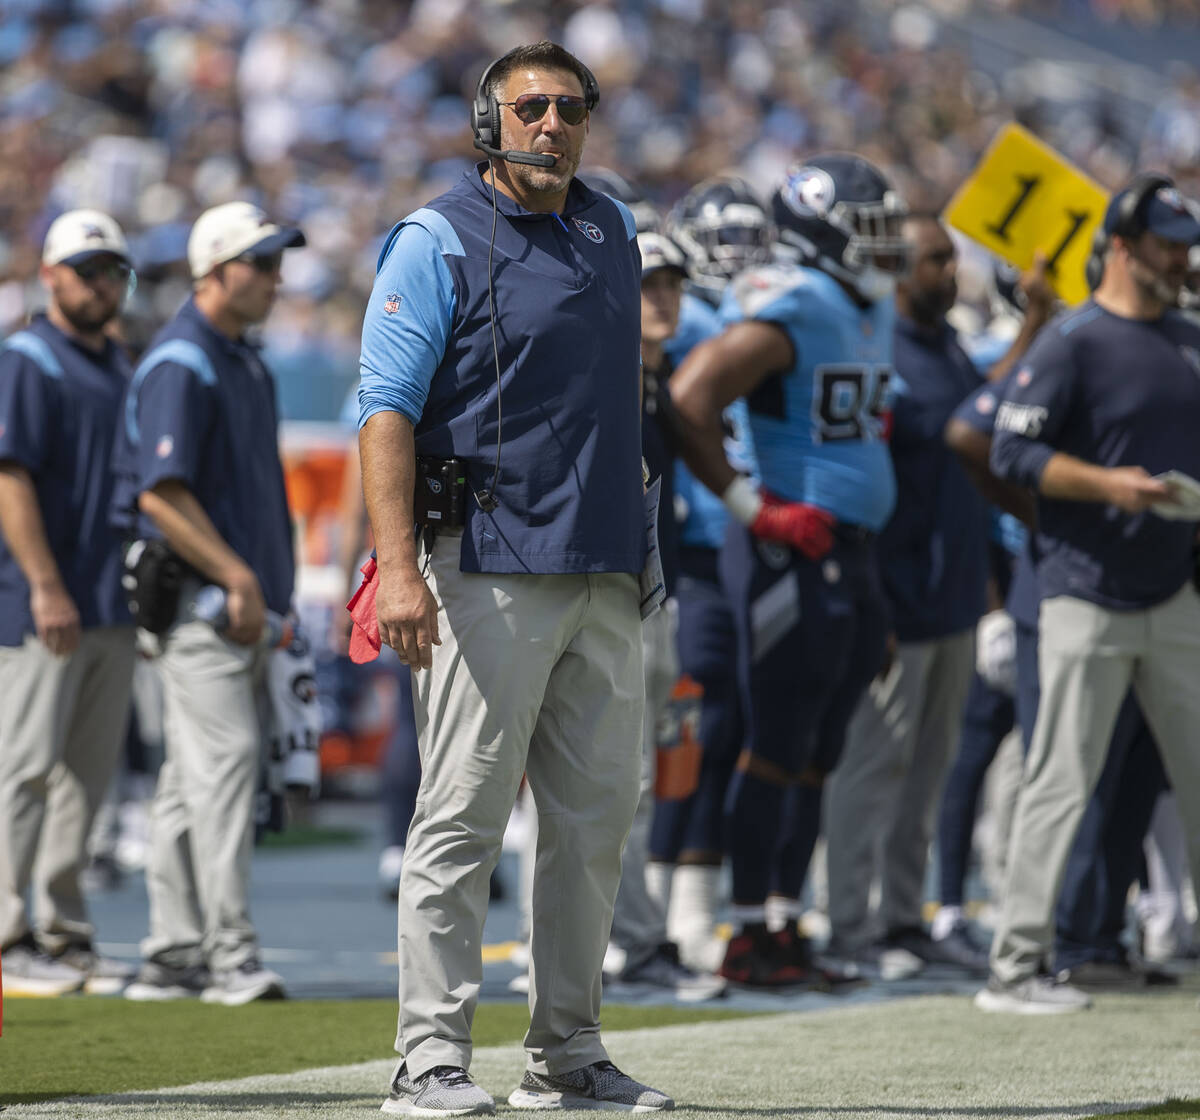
column 485, row 496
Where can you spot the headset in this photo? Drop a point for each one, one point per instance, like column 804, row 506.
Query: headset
column 485, row 117
column 485, row 124
column 1129, row 222
column 1093, row 271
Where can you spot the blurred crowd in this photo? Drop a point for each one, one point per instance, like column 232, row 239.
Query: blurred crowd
column 343, row 115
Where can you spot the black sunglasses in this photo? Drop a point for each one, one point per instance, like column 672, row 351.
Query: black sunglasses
column 110, row 268
column 262, row 262
column 531, row 107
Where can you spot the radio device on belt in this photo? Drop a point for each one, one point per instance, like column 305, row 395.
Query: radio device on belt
column 440, row 493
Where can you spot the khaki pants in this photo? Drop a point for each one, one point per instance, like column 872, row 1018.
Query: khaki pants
column 202, row 819
column 883, row 798
column 535, row 674
column 62, row 726
column 1088, row 657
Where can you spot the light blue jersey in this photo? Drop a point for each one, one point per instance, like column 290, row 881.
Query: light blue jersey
column 698, row 320
column 703, row 514
column 817, row 433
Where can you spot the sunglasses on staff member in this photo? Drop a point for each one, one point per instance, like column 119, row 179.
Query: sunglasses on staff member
column 108, row 268
column 262, row 262
column 531, row 107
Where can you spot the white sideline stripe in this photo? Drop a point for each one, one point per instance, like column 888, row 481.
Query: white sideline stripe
column 930, row 1056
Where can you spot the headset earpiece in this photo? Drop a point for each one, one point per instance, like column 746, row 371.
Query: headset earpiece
column 1093, row 271
column 485, row 111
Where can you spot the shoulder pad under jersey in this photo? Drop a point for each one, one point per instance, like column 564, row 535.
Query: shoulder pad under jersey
column 757, row 289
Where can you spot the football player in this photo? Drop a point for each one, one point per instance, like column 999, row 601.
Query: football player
column 806, row 355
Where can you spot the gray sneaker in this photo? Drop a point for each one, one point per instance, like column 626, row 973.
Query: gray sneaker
column 157, row 982
column 105, row 976
column 244, row 984
column 30, row 971
column 663, row 969
column 600, row 1086
column 1035, row 995
column 441, row 1091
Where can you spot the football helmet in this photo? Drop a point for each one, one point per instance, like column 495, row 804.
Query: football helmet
column 724, row 228
column 839, row 213
column 646, row 216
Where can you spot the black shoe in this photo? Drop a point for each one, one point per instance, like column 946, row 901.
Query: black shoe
column 1123, row 975
column 826, row 975
column 959, row 952
column 959, row 949
column 758, row 958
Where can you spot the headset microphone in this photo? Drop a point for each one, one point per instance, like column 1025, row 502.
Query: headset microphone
column 536, row 159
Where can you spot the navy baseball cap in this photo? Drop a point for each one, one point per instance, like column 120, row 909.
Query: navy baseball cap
column 1164, row 212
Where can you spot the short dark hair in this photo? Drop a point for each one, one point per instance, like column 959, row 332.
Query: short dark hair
column 544, row 55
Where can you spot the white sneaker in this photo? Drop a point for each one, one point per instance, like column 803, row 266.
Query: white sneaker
column 30, row 971
column 244, row 984
column 600, row 1086
column 702, row 952
column 1035, row 995
column 888, row 962
column 159, row 983
column 105, row 976
column 441, row 1091
column 519, row 984
column 391, row 862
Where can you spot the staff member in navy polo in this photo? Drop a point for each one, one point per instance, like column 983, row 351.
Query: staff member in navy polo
column 66, row 638
column 198, row 465
column 884, row 795
column 1106, row 855
column 524, row 624
column 1108, row 397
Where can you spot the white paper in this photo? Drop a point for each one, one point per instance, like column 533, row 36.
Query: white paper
column 652, row 585
column 1184, row 503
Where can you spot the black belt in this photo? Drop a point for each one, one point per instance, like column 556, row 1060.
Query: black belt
column 853, row 534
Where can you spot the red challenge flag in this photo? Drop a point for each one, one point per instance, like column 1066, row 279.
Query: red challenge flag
column 365, row 642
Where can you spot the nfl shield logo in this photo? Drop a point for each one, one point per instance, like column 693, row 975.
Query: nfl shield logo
column 164, row 447
column 392, row 303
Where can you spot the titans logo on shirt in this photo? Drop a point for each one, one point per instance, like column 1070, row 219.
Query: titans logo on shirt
column 589, row 230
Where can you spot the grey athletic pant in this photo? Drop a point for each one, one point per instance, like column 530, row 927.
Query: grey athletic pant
column 62, row 726
column 540, row 674
column 202, row 819
column 882, row 799
column 1088, row 657
column 639, row 925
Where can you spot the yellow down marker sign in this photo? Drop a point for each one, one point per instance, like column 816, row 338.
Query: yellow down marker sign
column 1022, row 198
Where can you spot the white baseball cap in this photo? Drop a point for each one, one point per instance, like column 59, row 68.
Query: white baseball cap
column 75, row 236
column 234, row 228
column 659, row 251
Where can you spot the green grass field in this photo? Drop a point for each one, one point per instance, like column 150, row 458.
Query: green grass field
column 903, row 1059
column 54, row 1048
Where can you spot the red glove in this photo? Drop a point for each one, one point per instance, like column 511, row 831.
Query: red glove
column 365, row 641
column 805, row 528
